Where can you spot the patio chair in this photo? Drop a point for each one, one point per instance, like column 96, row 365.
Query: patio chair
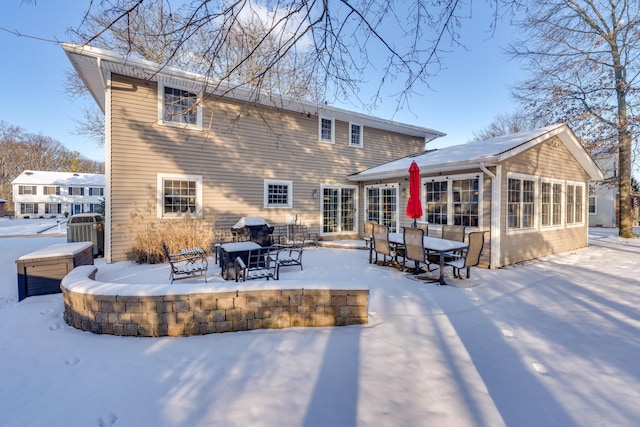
column 453, row 232
column 470, row 257
column 289, row 254
column 368, row 237
column 187, row 263
column 413, row 247
column 220, row 237
column 261, row 264
column 424, row 226
column 381, row 243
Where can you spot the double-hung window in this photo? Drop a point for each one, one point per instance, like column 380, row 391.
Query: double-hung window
column 27, row 189
column 592, row 205
column 521, row 203
column 96, row 191
column 278, row 193
column 355, row 135
column 574, row 203
column 436, row 201
column 76, row 191
column 51, row 190
column 28, row 208
column 179, row 107
column 454, row 200
column 52, row 208
column 326, row 130
column 179, row 195
column 550, row 204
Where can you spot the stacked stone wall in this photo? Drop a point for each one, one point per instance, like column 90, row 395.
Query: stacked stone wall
column 206, row 313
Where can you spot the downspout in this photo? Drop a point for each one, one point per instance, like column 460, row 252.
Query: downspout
column 107, row 163
column 495, row 214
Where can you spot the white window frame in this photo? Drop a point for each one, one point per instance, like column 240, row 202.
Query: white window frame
column 332, row 140
column 289, row 184
column 360, row 143
column 585, row 206
column 47, row 190
column 160, row 194
column 450, row 202
column 161, row 107
column 355, row 209
column 396, row 214
column 22, row 190
column 595, row 205
column 553, row 182
column 536, row 196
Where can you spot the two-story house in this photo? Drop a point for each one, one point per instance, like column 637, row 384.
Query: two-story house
column 42, row 194
column 181, row 143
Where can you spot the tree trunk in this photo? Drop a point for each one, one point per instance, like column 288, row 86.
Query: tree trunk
column 624, row 149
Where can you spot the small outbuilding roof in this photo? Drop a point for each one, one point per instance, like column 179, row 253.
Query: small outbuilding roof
column 59, row 178
column 484, row 153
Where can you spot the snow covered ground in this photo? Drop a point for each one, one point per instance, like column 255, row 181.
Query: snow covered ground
column 552, row 342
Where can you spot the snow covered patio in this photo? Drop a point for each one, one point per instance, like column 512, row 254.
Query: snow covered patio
column 550, row 342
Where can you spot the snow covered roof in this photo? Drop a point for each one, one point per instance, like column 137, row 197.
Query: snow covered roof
column 484, row 153
column 94, row 66
column 59, row 178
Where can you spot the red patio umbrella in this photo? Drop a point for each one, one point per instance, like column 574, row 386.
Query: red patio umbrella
column 414, row 207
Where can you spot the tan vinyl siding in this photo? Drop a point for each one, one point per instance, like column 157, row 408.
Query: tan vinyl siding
column 237, row 149
column 551, row 160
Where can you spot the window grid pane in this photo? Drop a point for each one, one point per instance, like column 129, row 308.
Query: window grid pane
column 326, row 129
column 180, row 106
column 436, row 202
column 465, row 202
column 179, row 196
column 330, row 200
column 355, row 135
column 278, row 195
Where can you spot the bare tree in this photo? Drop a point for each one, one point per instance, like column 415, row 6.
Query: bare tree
column 505, row 124
column 583, row 56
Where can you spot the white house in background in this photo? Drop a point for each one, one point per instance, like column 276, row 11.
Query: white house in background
column 603, row 195
column 40, row 194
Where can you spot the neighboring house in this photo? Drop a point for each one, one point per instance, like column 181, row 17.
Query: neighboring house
column 181, row 144
column 603, row 195
column 40, row 194
column 527, row 191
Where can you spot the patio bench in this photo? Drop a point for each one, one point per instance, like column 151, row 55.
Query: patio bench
column 187, row 263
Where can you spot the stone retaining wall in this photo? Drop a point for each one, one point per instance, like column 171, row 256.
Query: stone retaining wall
column 206, row 313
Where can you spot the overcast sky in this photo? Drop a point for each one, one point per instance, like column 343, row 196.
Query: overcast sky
column 465, row 97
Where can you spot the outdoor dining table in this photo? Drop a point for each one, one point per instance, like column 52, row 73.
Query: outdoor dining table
column 228, row 254
column 433, row 244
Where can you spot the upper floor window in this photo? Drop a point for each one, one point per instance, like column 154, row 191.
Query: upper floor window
column 179, row 107
column 355, row 135
column 326, row 130
column 76, row 191
column 179, row 195
column 50, row 189
column 592, row 204
column 27, row 189
column 521, row 196
column 96, row 191
column 574, row 203
column 278, row 193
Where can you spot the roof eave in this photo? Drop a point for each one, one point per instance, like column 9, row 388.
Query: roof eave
column 424, row 170
column 92, row 65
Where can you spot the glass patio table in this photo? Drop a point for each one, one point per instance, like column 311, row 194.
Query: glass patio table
column 433, row 244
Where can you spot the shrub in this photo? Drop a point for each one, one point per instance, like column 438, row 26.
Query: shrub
column 147, row 232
